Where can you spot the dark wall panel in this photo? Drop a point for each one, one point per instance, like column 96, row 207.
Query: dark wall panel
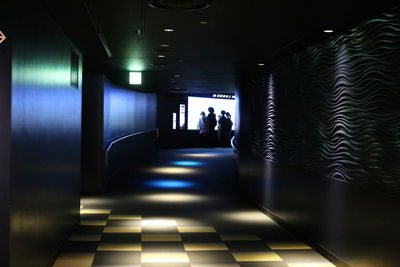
column 126, row 111
column 334, row 108
column 92, row 133
column 5, row 137
column 166, row 106
column 46, row 134
column 110, row 114
column 321, row 149
column 344, row 222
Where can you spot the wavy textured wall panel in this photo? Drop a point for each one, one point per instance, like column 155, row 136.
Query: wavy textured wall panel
column 335, row 107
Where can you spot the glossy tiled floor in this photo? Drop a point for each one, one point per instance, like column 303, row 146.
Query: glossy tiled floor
column 182, row 209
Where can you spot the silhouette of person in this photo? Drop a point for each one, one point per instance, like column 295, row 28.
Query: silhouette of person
column 223, row 129
column 212, row 122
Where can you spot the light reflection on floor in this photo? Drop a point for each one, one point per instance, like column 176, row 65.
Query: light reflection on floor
column 187, row 163
column 190, row 221
column 172, row 198
column 171, row 184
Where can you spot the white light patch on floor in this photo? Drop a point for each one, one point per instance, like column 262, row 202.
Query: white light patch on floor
column 173, row 170
column 171, row 198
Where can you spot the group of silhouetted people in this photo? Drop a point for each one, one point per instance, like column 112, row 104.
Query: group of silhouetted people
column 206, row 127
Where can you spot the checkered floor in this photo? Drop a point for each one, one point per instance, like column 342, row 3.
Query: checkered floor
column 184, row 228
column 105, row 239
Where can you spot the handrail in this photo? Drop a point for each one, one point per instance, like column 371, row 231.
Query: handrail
column 109, row 146
column 234, row 145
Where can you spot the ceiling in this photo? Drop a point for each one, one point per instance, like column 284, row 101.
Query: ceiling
column 202, row 58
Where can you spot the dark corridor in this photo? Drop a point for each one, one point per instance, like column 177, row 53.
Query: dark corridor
column 111, row 154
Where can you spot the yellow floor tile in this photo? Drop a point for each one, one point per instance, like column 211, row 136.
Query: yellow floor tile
column 94, row 238
column 161, row 237
column 119, row 247
column 256, row 256
column 76, row 260
column 239, row 237
column 215, row 265
column 93, row 222
column 288, row 246
column 121, row 230
column 124, row 217
column 95, row 211
column 310, row 264
column 164, row 257
column 196, row 229
column 205, row 246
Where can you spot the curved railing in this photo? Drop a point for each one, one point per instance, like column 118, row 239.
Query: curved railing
column 112, row 143
column 234, row 144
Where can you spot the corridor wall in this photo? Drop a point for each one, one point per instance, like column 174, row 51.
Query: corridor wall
column 5, row 138
column 46, row 137
column 323, row 150
column 119, row 126
column 334, row 108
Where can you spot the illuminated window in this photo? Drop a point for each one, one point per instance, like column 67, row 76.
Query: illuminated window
column 182, row 116
column 174, row 121
column 135, row 77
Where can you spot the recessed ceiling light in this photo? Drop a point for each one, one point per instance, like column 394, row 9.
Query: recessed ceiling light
column 161, row 56
column 168, row 30
column 261, row 64
column 165, row 45
column 203, row 22
column 328, row 31
column 177, row 76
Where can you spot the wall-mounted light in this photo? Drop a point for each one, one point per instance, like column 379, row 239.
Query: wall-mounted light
column 165, row 45
column 260, row 64
column 135, row 77
column 328, row 31
column 203, row 22
column 168, row 30
column 161, row 56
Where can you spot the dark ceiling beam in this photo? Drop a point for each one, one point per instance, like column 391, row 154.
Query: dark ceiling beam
column 97, row 28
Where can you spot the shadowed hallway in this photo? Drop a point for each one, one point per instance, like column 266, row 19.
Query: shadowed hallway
column 181, row 209
column 106, row 107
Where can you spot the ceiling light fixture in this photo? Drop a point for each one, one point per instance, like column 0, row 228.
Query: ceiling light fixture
column 135, row 77
column 161, row 56
column 203, row 22
column 177, row 76
column 187, row 5
column 328, row 31
column 261, row 64
column 169, row 30
column 165, row 45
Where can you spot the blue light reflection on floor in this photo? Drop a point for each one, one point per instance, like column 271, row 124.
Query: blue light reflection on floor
column 169, row 184
column 187, row 163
